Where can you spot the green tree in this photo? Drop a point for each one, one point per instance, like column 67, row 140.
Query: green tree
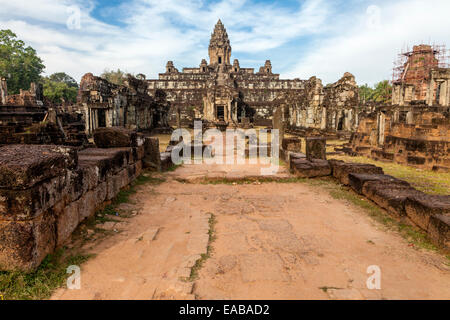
column 117, row 77
column 60, row 87
column 365, row 93
column 382, row 92
column 19, row 64
column 65, row 78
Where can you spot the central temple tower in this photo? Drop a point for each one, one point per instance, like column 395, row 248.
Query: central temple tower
column 219, row 46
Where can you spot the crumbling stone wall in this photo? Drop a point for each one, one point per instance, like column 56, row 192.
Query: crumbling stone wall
column 416, row 135
column 130, row 106
column 46, row 191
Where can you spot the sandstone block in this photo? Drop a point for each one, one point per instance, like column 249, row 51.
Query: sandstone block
column 310, row 169
column 316, row 148
column 358, row 180
column 26, row 243
column 421, row 208
column 292, row 144
column 23, row 166
column 439, row 230
column 115, row 137
column 390, row 196
column 152, row 158
column 166, row 161
column 30, row 203
column 341, row 170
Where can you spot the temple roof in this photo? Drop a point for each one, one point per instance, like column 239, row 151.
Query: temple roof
column 219, row 38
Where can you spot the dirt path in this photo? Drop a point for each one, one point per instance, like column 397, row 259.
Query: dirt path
column 273, row 241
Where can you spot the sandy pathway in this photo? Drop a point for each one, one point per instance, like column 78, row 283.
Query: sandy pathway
column 273, row 241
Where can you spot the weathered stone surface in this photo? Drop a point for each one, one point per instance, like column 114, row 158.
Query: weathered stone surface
column 391, row 196
column 358, row 180
column 152, row 157
column 310, row 168
column 341, row 170
column 288, row 155
column 166, row 161
column 115, row 137
column 32, row 202
column 439, row 230
column 67, row 222
column 23, row 166
column 24, row 244
column 421, row 208
column 292, row 144
column 316, row 148
column 108, row 161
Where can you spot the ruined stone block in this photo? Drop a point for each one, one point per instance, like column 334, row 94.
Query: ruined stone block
column 115, row 137
column 310, row 168
column 152, row 157
column 67, row 222
column 316, row 148
column 391, row 196
column 138, row 153
column 108, row 161
column 23, row 166
column 30, row 203
column 24, row 244
column 358, row 180
column 288, row 155
column 439, row 230
column 292, row 144
column 166, row 161
column 421, row 208
column 341, row 170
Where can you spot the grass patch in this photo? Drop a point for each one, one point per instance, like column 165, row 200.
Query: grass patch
column 38, row 285
column 325, row 289
column 250, row 180
column 199, row 263
column 424, row 180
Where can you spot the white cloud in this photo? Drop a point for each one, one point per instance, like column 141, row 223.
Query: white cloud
column 154, row 31
column 369, row 43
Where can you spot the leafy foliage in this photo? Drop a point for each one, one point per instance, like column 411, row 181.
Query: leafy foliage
column 19, row 64
column 382, row 92
column 117, row 77
column 65, row 78
column 60, row 87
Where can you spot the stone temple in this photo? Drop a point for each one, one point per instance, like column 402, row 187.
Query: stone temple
column 222, row 91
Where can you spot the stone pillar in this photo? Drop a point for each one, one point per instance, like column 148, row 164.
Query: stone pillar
column 443, row 94
column 316, row 148
column 430, row 92
column 3, row 91
column 381, row 128
column 278, row 123
column 323, row 124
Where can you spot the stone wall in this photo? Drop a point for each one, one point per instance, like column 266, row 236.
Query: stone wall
column 105, row 104
column 46, row 191
column 416, row 135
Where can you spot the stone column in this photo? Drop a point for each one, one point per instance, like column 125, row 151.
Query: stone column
column 443, row 94
column 323, row 124
column 3, row 91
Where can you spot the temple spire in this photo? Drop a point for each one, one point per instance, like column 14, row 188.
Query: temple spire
column 219, row 46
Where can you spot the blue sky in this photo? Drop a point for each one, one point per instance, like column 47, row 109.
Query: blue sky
column 302, row 38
